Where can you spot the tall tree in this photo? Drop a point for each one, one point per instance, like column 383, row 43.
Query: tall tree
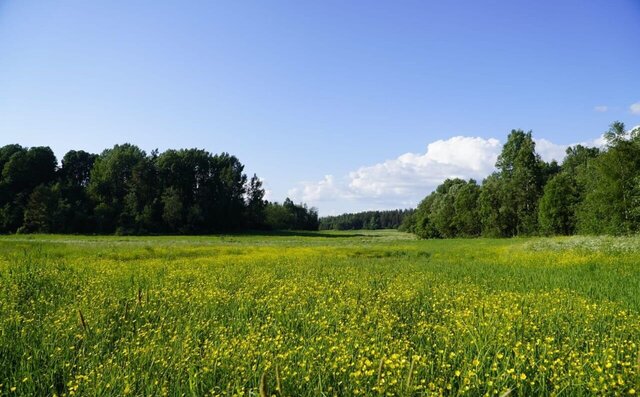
column 255, row 203
column 443, row 212
column 74, row 206
column 521, row 172
column 557, row 210
column 564, row 192
column 39, row 213
column 110, row 181
column 496, row 216
column 424, row 226
column 465, row 203
column 22, row 170
column 173, row 209
column 611, row 201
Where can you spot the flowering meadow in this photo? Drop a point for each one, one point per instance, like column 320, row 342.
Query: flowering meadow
column 319, row 314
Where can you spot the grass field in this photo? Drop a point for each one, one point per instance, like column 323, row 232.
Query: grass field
column 319, row 314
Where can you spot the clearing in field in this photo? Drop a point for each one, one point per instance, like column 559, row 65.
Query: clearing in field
column 318, row 314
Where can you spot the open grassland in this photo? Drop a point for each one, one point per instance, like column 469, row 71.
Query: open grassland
column 318, row 314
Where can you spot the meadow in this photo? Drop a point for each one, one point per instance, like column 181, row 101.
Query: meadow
column 319, row 314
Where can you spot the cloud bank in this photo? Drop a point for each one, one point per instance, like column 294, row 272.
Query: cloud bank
column 402, row 182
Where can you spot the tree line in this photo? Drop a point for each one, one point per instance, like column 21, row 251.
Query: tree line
column 593, row 191
column 124, row 190
column 371, row 220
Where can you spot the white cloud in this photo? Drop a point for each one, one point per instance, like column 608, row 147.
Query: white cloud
column 553, row 151
column 599, row 142
column 318, row 191
column 464, row 157
column 404, row 181
column 549, row 150
column 268, row 194
column 635, row 108
column 601, row 108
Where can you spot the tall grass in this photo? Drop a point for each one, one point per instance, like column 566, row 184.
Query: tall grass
column 356, row 314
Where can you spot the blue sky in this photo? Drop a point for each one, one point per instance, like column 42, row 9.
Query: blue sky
column 348, row 105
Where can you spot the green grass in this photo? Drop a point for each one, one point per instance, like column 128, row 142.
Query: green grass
column 328, row 313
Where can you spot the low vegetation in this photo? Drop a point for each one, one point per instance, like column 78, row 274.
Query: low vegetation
column 325, row 313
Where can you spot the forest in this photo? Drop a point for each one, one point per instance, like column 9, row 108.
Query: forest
column 370, row 220
column 593, row 191
column 124, row 190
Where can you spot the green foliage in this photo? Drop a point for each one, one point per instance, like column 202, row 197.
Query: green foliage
column 278, row 217
column 521, row 170
column 110, row 184
column 494, row 215
column 408, row 224
column 557, row 213
column 611, row 200
column 173, row 210
column 210, row 189
column 527, row 196
column 449, row 211
column 256, row 204
column 371, row 220
column 22, row 171
column 578, row 159
column 127, row 191
column 38, row 211
column 290, row 216
column 424, row 227
column 467, row 217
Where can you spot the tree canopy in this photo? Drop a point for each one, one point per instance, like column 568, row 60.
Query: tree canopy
column 593, row 191
column 371, row 220
column 125, row 190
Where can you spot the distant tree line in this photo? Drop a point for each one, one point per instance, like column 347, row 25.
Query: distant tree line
column 593, row 191
column 127, row 191
column 371, row 220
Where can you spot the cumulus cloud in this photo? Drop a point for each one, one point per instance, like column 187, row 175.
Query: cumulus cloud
column 318, row 191
column 549, row 150
column 402, row 182
column 635, row 108
column 268, row 194
column 553, row 151
column 601, row 108
column 463, row 157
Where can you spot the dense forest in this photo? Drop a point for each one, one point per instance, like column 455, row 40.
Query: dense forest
column 371, row 220
column 124, row 190
column 593, row 191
